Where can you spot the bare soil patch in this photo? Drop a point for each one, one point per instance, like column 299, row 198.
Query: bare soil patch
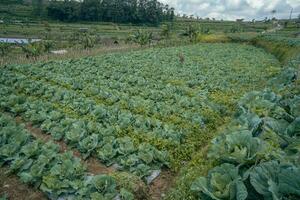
column 161, row 185
column 16, row 190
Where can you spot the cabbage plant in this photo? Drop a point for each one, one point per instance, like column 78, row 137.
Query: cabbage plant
column 222, row 182
column 88, row 144
column 239, row 147
column 274, row 180
column 104, row 187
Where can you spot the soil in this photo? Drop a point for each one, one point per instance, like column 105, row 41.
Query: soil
column 161, row 185
column 13, row 189
column 94, row 167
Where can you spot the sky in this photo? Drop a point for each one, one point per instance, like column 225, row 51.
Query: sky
column 236, row 9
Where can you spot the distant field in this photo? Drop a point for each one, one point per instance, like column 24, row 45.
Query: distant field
column 63, row 31
column 60, row 31
column 72, row 36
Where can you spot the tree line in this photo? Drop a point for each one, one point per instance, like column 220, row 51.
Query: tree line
column 119, row 11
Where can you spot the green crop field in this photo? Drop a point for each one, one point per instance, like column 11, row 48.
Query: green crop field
column 135, row 112
column 146, row 104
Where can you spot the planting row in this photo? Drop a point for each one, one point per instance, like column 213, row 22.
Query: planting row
column 85, row 107
column 91, row 138
column 58, row 175
column 154, row 84
column 180, row 111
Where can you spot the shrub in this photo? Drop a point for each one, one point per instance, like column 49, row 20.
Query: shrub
column 33, row 50
column 166, row 31
column 191, row 32
column 87, row 41
column 141, row 37
column 4, row 48
column 48, row 45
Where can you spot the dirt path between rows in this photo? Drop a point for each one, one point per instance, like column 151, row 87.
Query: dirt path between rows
column 13, row 189
column 161, row 185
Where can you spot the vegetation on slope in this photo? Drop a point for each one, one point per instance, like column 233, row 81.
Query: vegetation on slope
column 262, row 136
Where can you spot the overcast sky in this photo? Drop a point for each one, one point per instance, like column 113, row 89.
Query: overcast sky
column 233, row 9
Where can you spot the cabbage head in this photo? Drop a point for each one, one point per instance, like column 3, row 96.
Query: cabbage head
column 274, row 180
column 105, row 185
column 88, row 144
column 222, row 182
column 238, row 147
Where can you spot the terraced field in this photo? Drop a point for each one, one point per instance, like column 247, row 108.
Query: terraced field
column 135, row 114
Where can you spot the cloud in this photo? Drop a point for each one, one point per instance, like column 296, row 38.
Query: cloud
column 233, row 9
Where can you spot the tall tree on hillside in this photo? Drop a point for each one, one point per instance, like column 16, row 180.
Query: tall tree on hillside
column 172, row 14
column 273, row 13
column 105, row 14
column 153, row 14
column 166, row 11
column 133, row 11
column 38, row 7
column 142, row 8
column 90, row 10
column 71, row 10
column 67, row 10
column 119, row 11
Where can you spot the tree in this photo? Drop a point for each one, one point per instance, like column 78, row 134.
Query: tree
column 90, row 10
column 38, row 7
column 118, row 11
column 142, row 37
column 273, row 13
column 192, row 32
column 67, row 10
column 166, row 31
column 87, row 41
column 172, row 14
column 32, row 50
column 4, row 48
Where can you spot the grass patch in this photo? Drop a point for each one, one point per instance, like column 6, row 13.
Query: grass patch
column 213, row 38
column 281, row 50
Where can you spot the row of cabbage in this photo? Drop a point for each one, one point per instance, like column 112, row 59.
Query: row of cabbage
column 129, row 99
column 153, row 83
column 259, row 155
column 118, row 107
column 58, row 175
column 83, row 106
column 157, row 100
column 92, row 138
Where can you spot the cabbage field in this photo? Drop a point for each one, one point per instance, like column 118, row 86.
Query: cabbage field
column 140, row 114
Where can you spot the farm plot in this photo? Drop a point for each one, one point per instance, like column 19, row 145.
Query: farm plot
column 139, row 111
